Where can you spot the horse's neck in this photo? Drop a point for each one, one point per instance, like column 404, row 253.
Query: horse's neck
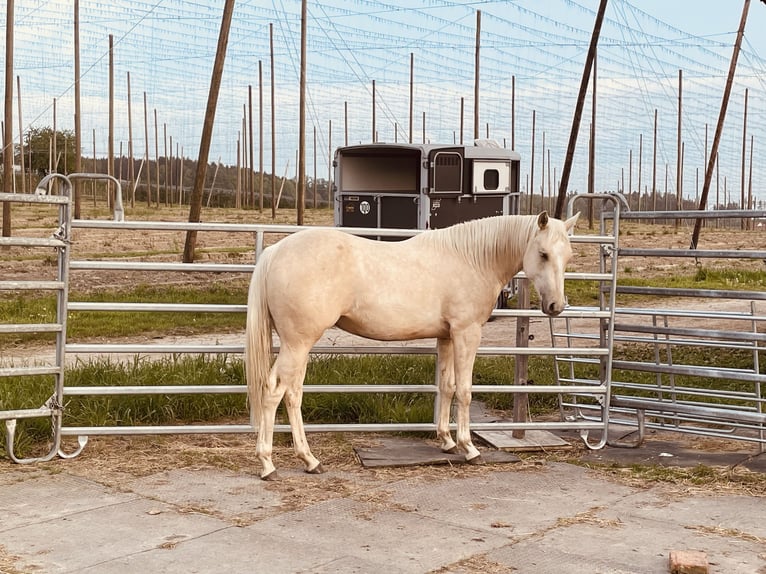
column 514, row 237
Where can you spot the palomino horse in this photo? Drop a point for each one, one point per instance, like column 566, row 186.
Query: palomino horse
column 441, row 283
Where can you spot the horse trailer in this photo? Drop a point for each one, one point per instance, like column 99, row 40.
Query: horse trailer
column 423, row 186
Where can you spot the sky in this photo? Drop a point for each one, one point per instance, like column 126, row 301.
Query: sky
column 531, row 48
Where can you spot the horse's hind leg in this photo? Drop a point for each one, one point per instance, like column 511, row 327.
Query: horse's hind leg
column 285, row 381
column 446, row 373
column 293, row 382
column 272, row 395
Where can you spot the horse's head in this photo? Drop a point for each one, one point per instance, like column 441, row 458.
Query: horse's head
column 546, row 258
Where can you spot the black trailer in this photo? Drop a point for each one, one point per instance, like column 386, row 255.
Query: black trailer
column 428, row 186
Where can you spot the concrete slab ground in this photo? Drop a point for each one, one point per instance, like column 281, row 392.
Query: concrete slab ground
column 541, row 515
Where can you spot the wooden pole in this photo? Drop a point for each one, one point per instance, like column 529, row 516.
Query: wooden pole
column 146, row 155
column 251, row 147
column 374, row 129
column 412, row 83
column 532, row 167
column 345, row 123
column 21, row 141
column 195, row 209
column 238, row 196
column 156, row 158
column 719, row 126
column 273, row 128
column 77, row 114
column 8, row 115
column 742, row 176
column 476, row 77
column 300, row 192
column 245, row 140
column 314, row 147
column 592, row 146
column 678, row 146
column 131, row 157
column 110, row 143
column 750, row 181
column 424, row 127
column 521, row 362
column 564, row 181
column 462, row 117
column 329, row 163
column 654, row 165
column 513, row 112
column 260, row 136
column 165, row 159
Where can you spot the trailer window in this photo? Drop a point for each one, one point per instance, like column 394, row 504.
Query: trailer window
column 491, row 179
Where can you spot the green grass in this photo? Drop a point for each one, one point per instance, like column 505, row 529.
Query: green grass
column 22, row 309
column 132, row 410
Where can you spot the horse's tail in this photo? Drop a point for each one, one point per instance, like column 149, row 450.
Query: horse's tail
column 258, row 337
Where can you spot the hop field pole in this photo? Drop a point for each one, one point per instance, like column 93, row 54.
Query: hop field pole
column 7, row 127
column 567, row 169
column 195, row 202
column 719, row 126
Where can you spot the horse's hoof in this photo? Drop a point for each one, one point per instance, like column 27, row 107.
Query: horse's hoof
column 477, row 460
column 272, row 476
column 318, row 469
column 452, row 450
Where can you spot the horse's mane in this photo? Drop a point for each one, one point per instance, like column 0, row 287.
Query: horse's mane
column 486, row 243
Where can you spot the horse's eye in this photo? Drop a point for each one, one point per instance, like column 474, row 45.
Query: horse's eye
column 543, row 256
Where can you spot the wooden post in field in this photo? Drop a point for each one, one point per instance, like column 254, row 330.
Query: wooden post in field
column 273, row 128
column 131, row 160
column 315, row 167
column 156, row 157
column 513, row 112
column 195, row 207
column 165, row 159
column 679, row 161
column 300, row 192
column 77, row 116
column 21, row 141
column 462, row 116
column 8, row 115
column 146, row 155
column 251, row 166
column 719, row 126
column 374, row 129
column 742, row 176
column 345, row 123
column 532, row 167
column 654, row 165
column 260, row 136
column 564, row 182
column 237, row 197
column 110, row 142
column 521, row 362
column 412, row 83
column 477, row 60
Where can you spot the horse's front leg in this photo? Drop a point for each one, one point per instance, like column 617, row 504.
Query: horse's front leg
column 446, row 372
column 465, row 343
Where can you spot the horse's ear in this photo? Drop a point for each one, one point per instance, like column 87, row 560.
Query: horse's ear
column 570, row 223
column 542, row 220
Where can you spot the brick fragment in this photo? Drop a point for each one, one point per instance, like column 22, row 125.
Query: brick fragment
column 688, row 562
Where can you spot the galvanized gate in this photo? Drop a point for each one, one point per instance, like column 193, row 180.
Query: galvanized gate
column 716, row 392
column 58, row 242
